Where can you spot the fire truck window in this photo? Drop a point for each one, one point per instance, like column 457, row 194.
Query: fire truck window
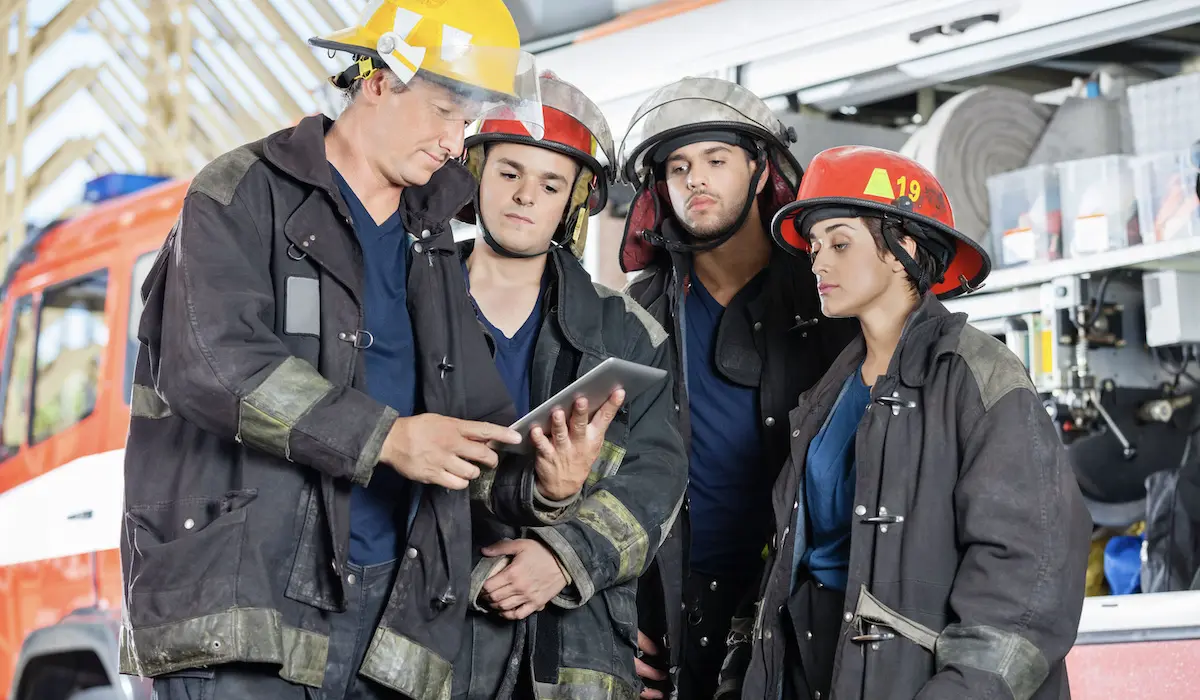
column 18, row 371
column 141, row 268
column 72, row 335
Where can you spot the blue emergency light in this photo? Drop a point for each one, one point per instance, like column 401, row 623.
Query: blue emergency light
column 114, row 185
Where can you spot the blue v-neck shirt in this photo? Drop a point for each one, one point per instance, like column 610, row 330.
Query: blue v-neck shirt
column 829, row 477
column 514, row 356
column 726, row 483
column 378, row 512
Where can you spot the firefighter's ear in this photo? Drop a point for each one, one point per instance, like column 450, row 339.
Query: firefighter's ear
column 763, row 180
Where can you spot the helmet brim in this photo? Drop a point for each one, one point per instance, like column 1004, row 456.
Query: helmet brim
column 966, row 271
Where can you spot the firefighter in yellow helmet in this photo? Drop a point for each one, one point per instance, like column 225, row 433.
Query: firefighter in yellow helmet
column 303, row 432
column 426, row 70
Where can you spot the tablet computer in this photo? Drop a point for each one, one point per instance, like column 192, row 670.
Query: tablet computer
column 595, row 386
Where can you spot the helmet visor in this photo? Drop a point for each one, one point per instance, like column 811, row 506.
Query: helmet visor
column 569, row 100
column 488, row 81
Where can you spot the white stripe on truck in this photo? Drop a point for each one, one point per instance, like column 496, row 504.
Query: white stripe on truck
column 72, row 509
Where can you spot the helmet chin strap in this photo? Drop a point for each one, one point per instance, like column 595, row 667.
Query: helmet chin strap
column 698, row 245
column 913, row 230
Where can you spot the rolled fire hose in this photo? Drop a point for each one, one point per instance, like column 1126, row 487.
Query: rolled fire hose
column 976, row 134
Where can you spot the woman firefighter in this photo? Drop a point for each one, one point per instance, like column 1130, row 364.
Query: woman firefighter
column 930, row 539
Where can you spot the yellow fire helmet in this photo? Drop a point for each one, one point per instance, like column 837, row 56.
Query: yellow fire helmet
column 468, row 46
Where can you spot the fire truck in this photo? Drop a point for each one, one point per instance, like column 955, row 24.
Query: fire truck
column 69, row 336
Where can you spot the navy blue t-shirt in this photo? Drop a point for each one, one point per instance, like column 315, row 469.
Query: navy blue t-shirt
column 829, row 475
column 378, row 512
column 726, row 477
column 514, row 356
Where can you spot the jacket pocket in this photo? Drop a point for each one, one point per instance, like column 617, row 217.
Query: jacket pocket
column 185, row 556
column 621, row 602
column 622, row 610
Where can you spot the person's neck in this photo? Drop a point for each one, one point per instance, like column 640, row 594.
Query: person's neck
column 727, row 268
column 882, row 326
column 345, row 148
column 505, row 289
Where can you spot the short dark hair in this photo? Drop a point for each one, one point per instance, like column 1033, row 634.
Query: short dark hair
column 928, row 264
column 392, row 80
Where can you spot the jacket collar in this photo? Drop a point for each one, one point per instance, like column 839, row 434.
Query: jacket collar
column 682, row 266
column 571, row 299
column 300, row 153
column 577, row 304
column 930, row 332
column 432, row 205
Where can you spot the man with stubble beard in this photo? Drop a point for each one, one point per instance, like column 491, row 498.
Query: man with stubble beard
column 711, row 165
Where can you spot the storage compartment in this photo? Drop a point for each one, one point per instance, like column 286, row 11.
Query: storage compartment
column 1165, row 114
column 1165, row 184
column 1170, row 316
column 1098, row 206
column 1026, row 219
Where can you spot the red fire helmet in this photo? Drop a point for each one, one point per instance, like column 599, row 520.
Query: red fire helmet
column 892, row 184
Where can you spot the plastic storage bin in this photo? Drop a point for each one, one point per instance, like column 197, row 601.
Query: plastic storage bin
column 1165, row 114
column 1026, row 219
column 1098, row 207
column 1165, row 185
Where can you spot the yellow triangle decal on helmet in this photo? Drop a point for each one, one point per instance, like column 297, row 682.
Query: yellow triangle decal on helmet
column 880, row 185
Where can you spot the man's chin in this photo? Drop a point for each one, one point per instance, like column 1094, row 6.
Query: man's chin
column 418, row 174
column 418, row 177
column 704, row 231
column 518, row 244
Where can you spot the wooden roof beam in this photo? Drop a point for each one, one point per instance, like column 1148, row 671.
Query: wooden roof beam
column 71, row 14
column 251, row 57
column 58, row 162
column 285, row 30
column 74, row 81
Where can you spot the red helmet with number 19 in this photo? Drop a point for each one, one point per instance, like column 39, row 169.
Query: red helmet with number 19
column 864, row 181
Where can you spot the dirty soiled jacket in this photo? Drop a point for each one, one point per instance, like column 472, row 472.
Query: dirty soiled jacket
column 776, row 341
column 582, row 644
column 970, row 537
column 250, row 423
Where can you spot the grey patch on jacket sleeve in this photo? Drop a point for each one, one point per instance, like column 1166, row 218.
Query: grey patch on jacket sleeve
column 654, row 329
column 220, row 178
column 144, row 402
column 996, row 369
column 1016, row 660
column 302, row 311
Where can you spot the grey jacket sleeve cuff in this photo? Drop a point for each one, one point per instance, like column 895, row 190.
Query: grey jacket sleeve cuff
column 544, row 510
column 580, row 587
column 549, row 505
column 364, row 467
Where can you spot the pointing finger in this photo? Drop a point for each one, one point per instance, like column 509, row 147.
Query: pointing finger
column 483, row 432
